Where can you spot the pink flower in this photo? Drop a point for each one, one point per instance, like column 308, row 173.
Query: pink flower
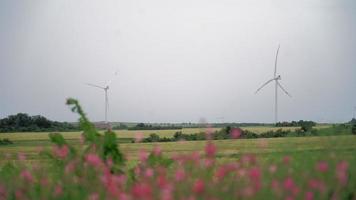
column 69, row 167
column 235, row 133
column 141, row 190
column 139, row 137
column 288, row 183
column 322, row 166
column 272, row 169
column 2, row 192
column 317, row 185
column 93, row 159
column 209, row 132
column 26, row 175
column 61, row 152
column 198, row 186
column 93, row 196
column 143, row 155
column 309, row 196
column 157, row 151
column 255, row 177
column 210, row 149
column 149, row 172
column 180, row 175
column 21, row 156
column 341, row 172
column 286, row 160
column 58, row 190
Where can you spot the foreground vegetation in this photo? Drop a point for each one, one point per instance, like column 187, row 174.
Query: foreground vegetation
column 96, row 168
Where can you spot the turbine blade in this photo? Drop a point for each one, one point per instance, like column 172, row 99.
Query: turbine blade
column 275, row 63
column 264, row 85
column 109, row 82
column 284, row 90
column 97, row 86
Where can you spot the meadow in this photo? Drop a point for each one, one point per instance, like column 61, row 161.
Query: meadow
column 108, row 165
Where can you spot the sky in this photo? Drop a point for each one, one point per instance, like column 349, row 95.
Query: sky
column 179, row 61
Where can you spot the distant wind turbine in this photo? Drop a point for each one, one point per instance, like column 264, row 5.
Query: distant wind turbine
column 276, row 78
column 105, row 88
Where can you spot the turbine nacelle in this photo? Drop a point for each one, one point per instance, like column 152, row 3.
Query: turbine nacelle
column 278, row 78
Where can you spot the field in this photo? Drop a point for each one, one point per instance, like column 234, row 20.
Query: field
column 305, row 166
column 29, row 143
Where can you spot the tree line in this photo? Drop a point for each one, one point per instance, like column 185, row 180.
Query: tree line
column 23, row 122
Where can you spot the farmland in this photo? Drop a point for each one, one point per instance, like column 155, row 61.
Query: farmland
column 294, row 162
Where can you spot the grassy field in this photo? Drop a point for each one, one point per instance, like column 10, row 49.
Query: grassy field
column 303, row 154
column 40, row 136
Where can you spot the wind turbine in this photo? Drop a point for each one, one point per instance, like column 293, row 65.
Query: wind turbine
column 276, row 78
column 105, row 88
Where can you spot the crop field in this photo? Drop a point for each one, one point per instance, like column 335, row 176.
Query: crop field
column 42, row 136
column 265, row 168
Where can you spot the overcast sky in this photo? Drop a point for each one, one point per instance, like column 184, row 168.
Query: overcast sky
column 179, row 61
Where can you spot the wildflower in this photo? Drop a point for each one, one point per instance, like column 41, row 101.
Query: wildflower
column 93, row 159
column 272, row 169
column 61, row 152
column 141, row 190
column 322, row 166
column 309, row 196
column 143, row 155
column 286, row 160
column 149, row 172
column 93, row 196
column 26, row 175
column 138, row 137
column 198, row 186
column 180, row 175
column 21, row 156
column 2, row 192
column 341, row 172
column 210, row 149
column 235, row 133
column 288, row 183
column 157, row 151
column 58, row 190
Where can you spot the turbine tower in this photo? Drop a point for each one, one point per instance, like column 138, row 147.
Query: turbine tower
column 276, row 78
column 105, row 88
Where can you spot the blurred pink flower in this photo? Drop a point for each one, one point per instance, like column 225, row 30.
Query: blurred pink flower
column 210, row 149
column 58, row 190
column 93, row 159
column 93, row 196
column 26, row 175
column 142, row 190
column 180, row 175
column 139, row 137
column 309, row 195
column 149, row 172
column 272, row 168
column 143, row 155
column 316, row 184
column 157, row 151
column 288, row 184
column 199, row 186
column 235, row 133
column 21, row 156
column 286, row 160
column 341, row 172
column 209, row 132
column 322, row 166
column 2, row 192
column 61, row 152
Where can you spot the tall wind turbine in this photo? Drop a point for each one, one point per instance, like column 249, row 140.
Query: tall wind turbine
column 276, row 78
column 105, row 88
